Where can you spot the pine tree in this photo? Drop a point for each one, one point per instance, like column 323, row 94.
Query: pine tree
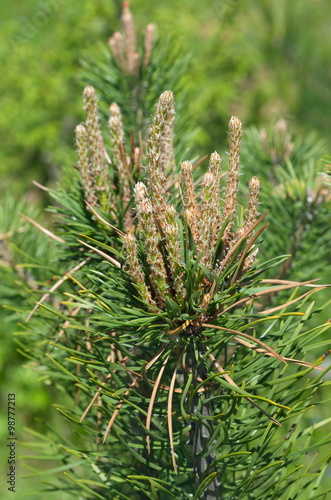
column 180, row 378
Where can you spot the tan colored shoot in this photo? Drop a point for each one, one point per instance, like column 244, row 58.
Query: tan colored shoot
column 192, row 210
column 119, row 156
column 229, row 208
column 87, row 173
column 148, row 43
column 148, row 230
column 135, row 270
column 132, row 57
column 97, row 148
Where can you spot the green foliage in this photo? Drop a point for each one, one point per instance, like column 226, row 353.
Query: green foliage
column 160, row 64
column 295, row 191
column 81, row 361
column 143, row 382
column 40, row 49
column 136, row 95
column 212, row 395
column 25, row 264
column 252, row 59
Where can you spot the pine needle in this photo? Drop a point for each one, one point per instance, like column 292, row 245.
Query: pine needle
column 282, row 306
column 117, row 409
column 151, row 402
column 54, row 287
column 169, row 411
column 103, row 254
column 230, row 381
column 43, row 229
column 263, row 351
column 242, row 334
column 118, row 231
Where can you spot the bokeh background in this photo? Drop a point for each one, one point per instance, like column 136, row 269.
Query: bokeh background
column 261, row 60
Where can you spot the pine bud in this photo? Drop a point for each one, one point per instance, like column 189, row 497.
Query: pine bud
column 170, row 231
column 148, row 44
column 135, row 269
column 117, row 46
column 87, row 174
column 162, row 120
column 253, row 201
column 215, row 169
column 192, row 208
column 119, row 156
column 229, row 208
column 130, row 40
column 97, row 147
column 206, row 222
column 149, row 233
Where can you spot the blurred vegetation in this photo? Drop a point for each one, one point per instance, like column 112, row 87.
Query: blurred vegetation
column 41, row 43
column 260, row 60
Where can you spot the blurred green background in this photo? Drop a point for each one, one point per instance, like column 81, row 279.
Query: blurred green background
column 258, row 59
